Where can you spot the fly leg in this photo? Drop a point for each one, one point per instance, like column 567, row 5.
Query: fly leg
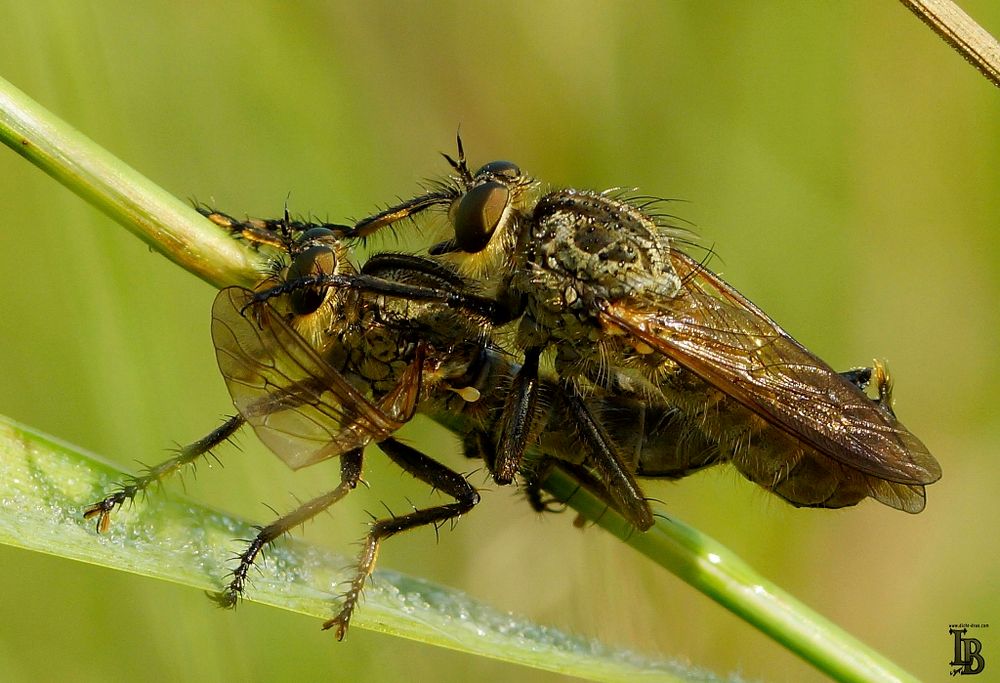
column 156, row 474
column 428, row 471
column 350, row 475
column 586, row 480
column 520, row 413
column 859, row 377
column 273, row 232
column 190, row 453
column 618, row 481
column 602, row 470
column 482, row 307
column 403, row 211
column 603, row 473
column 478, row 445
column 411, row 207
column 862, row 377
column 518, row 431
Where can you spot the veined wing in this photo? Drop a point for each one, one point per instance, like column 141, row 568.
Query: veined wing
column 713, row 331
column 299, row 406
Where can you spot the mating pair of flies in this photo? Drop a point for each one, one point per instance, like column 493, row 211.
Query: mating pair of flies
column 552, row 328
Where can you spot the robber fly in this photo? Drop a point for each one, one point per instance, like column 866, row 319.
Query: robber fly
column 344, row 358
column 597, row 281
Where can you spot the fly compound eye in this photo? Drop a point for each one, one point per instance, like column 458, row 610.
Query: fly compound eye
column 478, row 214
column 502, row 170
column 316, row 260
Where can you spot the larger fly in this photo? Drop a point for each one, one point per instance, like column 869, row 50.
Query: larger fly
column 597, row 282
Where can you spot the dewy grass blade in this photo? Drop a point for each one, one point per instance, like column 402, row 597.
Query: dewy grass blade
column 43, row 487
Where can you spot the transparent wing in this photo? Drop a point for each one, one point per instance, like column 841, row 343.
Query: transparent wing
column 712, row 330
column 299, row 406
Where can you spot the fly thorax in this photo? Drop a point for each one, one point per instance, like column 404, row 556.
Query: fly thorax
column 584, row 248
column 590, row 246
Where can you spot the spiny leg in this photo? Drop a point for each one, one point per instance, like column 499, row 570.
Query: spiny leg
column 350, row 475
column 584, row 479
column 520, row 415
column 617, row 479
column 276, row 231
column 411, row 207
column 480, row 306
column 273, row 232
column 138, row 484
column 428, row 471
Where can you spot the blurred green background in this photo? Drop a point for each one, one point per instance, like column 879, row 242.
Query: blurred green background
column 840, row 158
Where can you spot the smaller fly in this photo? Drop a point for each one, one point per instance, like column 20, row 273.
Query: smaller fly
column 323, row 372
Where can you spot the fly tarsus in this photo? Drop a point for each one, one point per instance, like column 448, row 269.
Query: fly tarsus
column 140, row 484
column 103, row 508
column 276, row 233
column 428, row 471
column 234, row 591
column 616, row 480
column 350, row 474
